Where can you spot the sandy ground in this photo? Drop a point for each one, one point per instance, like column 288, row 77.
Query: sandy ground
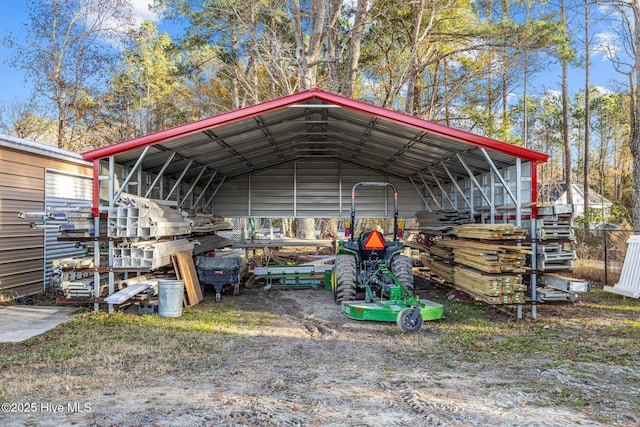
column 315, row 367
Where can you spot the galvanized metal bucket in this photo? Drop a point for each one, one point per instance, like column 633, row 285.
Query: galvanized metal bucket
column 170, row 295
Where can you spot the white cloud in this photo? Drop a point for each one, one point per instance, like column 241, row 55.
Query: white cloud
column 603, row 90
column 142, row 11
column 552, row 94
column 606, row 45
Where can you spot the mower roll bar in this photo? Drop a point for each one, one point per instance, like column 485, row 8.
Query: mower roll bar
column 395, row 205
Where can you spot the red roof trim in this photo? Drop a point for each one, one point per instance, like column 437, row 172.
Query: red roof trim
column 330, row 98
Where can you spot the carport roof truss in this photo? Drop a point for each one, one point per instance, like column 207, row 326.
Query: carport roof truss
column 315, row 124
column 310, row 128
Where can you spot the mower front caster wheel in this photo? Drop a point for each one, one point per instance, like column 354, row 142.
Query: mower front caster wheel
column 410, row 320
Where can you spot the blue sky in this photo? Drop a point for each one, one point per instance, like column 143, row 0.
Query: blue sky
column 14, row 87
column 12, row 17
column 13, row 12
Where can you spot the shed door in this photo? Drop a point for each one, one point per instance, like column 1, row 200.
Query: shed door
column 67, row 190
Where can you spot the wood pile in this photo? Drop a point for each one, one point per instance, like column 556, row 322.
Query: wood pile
column 442, row 251
column 490, row 231
column 492, row 289
column 442, row 270
column 481, row 265
column 486, row 257
column 441, row 223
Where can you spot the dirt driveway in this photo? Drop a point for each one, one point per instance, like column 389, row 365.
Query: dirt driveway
column 311, row 366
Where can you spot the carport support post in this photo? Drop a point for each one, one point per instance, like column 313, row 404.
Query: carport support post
column 534, row 265
column 112, row 203
column 96, row 229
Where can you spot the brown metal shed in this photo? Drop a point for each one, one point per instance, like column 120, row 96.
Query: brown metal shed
column 25, row 168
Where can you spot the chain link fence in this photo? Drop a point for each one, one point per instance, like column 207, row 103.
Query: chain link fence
column 600, row 254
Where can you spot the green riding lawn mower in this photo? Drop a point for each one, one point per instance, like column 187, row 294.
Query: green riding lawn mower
column 377, row 266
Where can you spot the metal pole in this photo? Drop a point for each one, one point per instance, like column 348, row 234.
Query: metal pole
column 179, row 180
column 128, row 178
column 112, row 202
column 455, row 184
column 433, row 196
column 424, row 201
column 606, row 250
column 534, row 266
column 160, row 175
column 193, row 186
column 204, row 189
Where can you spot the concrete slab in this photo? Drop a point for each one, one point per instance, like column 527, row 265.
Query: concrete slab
column 21, row 322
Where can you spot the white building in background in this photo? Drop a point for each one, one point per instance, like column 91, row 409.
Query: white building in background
column 556, row 194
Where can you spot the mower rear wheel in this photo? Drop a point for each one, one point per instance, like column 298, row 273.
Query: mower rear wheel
column 405, row 322
column 401, row 268
column 345, row 266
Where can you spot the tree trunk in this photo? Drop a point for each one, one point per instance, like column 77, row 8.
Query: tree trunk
column 306, row 228
column 413, row 97
column 354, row 47
column 286, row 227
column 329, row 228
column 634, row 137
column 307, row 57
column 587, row 108
column 565, row 116
column 334, row 46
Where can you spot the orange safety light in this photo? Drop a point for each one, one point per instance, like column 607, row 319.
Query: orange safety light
column 374, row 242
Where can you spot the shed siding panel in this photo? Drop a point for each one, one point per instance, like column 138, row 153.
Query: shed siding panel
column 22, row 189
column 21, row 247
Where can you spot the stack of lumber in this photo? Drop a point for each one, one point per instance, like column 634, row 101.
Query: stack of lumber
column 441, row 223
column 489, row 271
column 440, row 263
column 442, row 251
column 442, row 270
column 492, row 289
column 490, row 231
column 486, row 257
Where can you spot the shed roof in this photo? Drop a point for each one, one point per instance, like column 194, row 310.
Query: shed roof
column 317, row 124
column 39, row 149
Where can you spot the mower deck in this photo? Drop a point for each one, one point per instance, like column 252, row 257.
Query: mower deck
column 387, row 311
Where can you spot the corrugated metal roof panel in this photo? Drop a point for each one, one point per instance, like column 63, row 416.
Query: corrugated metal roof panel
column 38, row 148
column 315, row 124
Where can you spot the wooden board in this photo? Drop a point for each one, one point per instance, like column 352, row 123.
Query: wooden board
column 494, row 289
column 186, row 271
column 487, row 257
column 490, row 231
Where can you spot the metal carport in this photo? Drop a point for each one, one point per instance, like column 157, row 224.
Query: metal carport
column 299, row 155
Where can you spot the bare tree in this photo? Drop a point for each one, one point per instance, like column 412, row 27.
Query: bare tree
column 308, row 52
column 587, row 106
column 355, row 44
column 26, row 120
column 629, row 15
column 66, row 50
column 564, row 60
